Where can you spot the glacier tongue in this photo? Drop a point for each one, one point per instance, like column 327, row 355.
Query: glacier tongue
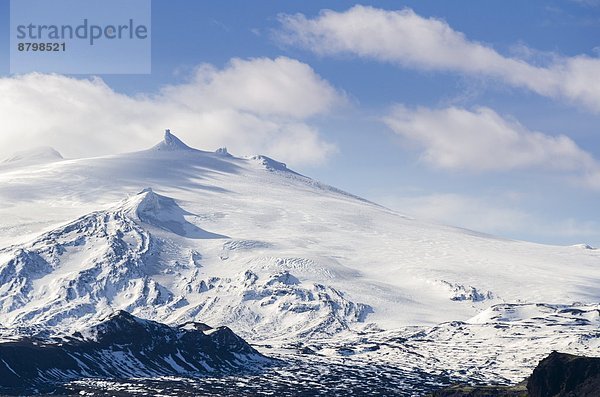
column 273, row 305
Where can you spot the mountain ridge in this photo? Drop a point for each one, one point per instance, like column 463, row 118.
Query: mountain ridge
column 40, row 154
column 123, row 346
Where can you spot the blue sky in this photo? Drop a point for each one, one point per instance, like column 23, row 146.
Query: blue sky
column 392, row 119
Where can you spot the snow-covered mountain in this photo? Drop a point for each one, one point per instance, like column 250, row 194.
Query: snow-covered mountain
column 175, row 234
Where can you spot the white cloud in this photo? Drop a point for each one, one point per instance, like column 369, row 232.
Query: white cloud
column 280, row 87
column 409, row 40
column 251, row 106
column 482, row 140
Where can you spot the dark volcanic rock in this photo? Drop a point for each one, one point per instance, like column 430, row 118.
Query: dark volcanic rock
column 124, row 346
column 565, row 375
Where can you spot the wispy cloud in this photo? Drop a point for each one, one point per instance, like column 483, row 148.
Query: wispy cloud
column 409, row 40
column 498, row 215
column 257, row 105
column 461, row 210
column 588, row 3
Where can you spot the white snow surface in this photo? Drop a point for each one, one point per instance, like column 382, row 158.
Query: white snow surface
column 176, row 234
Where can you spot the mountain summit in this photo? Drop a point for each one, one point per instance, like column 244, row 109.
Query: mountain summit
column 170, row 143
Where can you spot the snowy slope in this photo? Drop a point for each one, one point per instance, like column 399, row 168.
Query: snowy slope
column 176, row 234
column 41, row 154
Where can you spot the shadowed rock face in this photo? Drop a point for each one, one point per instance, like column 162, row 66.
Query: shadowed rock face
column 124, row 346
column 562, row 375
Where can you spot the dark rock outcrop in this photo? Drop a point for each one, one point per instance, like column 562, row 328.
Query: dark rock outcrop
column 565, row 375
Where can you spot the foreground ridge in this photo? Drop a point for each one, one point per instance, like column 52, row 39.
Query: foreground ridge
column 125, row 346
